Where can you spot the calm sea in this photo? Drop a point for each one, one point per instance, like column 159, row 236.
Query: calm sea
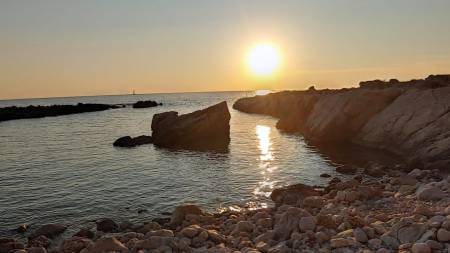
column 65, row 169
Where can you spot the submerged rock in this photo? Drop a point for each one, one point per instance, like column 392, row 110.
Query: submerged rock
column 207, row 129
column 50, row 230
column 129, row 142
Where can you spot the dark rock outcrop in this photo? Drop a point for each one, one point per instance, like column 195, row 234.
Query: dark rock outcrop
column 107, row 225
column 49, row 230
column 207, row 129
column 410, row 119
column 13, row 112
column 129, row 142
column 146, row 104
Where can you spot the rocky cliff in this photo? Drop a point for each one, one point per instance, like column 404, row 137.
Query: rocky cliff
column 411, row 119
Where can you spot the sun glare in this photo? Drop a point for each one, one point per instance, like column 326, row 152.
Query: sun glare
column 263, row 59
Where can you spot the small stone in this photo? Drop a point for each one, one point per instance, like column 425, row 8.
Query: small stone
column 180, row 213
column 429, row 192
column 189, row 232
column 160, row 232
column 203, row 235
column 50, row 230
column 423, row 210
column 262, row 246
column 245, row 226
column 447, row 210
column 107, row 225
column 264, row 222
column 107, row 244
column 360, row 235
column 420, row 248
column 390, row 241
column 321, row 237
column 37, row 250
column 75, row 244
column 279, row 248
column 307, row 223
column 22, row 228
column 314, row 201
column 433, row 244
column 340, row 242
column 443, row 235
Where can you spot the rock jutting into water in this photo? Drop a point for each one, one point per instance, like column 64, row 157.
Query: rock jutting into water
column 410, row 119
column 146, row 104
column 14, row 112
column 363, row 216
column 128, row 142
column 207, row 129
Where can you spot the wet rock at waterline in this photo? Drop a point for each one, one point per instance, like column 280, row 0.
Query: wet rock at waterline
column 129, row 142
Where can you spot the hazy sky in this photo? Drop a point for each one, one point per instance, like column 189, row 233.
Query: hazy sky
column 91, row 47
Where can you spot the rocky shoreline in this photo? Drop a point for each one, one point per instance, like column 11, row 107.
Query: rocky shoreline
column 410, row 119
column 30, row 112
column 399, row 210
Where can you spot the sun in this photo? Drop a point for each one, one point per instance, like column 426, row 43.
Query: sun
column 263, row 59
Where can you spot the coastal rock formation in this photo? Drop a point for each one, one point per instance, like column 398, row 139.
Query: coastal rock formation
column 13, row 112
column 207, row 129
column 145, row 104
column 410, row 119
column 129, row 142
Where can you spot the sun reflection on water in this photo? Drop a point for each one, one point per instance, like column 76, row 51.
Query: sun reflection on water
column 266, row 185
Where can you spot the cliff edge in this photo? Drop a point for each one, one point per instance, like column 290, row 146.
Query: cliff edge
column 411, row 118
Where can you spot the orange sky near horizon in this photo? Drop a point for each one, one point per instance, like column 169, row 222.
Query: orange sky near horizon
column 83, row 48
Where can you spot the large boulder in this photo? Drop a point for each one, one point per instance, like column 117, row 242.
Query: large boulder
column 207, row 129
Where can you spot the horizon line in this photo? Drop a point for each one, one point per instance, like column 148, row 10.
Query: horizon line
column 127, row 94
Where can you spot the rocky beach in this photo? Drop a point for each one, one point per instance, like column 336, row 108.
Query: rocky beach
column 399, row 210
column 378, row 208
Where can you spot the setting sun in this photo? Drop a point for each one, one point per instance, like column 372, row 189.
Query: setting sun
column 263, row 59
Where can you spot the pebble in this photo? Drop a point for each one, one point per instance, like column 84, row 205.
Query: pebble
column 340, row 242
column 420, row 248
column 189, row 232
column 360, row 235
column 307, row 223
column 443, row 235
